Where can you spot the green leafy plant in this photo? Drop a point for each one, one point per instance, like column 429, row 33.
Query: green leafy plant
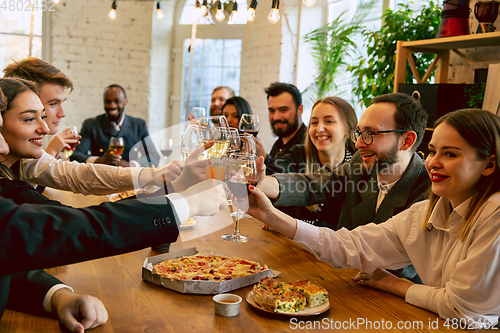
column 374, row 74
column 474, row 95
column 332, row 45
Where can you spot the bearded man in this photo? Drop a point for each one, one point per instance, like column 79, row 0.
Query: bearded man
column 284, row 102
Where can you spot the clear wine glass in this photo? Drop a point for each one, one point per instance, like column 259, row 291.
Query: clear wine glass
column 198, row 112
column 249, row 123
column 234, row 141
column 189, row 141
column 73, row 130
column 241, row 171
column 248, row 144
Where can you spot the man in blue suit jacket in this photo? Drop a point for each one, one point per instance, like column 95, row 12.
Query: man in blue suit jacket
column 96, row 133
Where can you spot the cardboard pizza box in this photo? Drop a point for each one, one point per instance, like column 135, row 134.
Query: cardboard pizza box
column 196, row 287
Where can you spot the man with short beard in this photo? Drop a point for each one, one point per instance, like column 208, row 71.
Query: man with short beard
column 384, row 177
column 285, row 108
column 96, row 133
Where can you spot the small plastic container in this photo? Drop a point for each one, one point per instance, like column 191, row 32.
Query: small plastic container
column 227, row 305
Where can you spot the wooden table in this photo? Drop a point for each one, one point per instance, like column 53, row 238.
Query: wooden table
column 137, row 306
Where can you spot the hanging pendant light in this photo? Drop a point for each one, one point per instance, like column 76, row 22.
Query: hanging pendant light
column 112, row 12
column 204, row 8
column 234, row 14
column 251, row 10
column 274, row 16
column 219, row 15
column 309, row 3
column 159, row 12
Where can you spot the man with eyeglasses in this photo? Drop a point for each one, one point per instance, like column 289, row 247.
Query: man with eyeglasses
column 384, row 177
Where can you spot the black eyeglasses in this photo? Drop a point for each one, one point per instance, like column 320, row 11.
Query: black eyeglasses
column 367, row 136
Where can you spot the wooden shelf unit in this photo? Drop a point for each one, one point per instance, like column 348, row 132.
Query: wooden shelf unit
column 441, row 47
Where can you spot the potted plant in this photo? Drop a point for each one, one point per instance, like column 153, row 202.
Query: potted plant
column 332, row 46
column 374, row 73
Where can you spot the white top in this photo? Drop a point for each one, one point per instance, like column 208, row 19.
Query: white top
column 97, row 179
column 461, row 278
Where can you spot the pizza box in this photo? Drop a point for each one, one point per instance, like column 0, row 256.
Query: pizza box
column 196, row 287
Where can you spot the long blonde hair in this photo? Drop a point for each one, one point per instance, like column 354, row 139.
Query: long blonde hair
column 481, row 129
column 350, row 121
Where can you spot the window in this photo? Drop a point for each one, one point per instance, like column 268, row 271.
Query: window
column 15, row 35
column 216, row 62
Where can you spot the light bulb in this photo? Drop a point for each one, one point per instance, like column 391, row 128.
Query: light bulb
column 204, row 8
column 234, row 14
column 309, row 3
column 198, row 11
column 251, row 10
column 159, row 12
column 112, row 12
column 233, row 18
column 57, row 2
column 274, row 16
column 219, row 15
column 251, row 14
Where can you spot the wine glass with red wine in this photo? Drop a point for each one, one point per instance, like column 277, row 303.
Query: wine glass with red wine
column 241, row 171
column 167, row 147
column 249, row 123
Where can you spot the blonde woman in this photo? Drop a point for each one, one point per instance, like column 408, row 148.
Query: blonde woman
column 327, row 145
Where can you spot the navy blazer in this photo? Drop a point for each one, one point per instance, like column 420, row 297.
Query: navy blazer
column 96, row 133
column 36, row 234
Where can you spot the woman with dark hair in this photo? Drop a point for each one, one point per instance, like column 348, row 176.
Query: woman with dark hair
column 452, row 239
column 326, row 146
column 234, row 108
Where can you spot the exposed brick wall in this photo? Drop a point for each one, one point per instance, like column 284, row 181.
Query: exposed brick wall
column 95, row 51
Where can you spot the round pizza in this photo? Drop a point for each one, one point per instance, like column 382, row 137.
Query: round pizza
column 212, row 268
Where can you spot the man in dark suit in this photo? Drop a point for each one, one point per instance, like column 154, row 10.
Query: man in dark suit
column 96, row 133
column 385, row 176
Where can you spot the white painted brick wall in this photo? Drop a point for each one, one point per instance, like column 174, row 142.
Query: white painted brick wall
column 95, row 51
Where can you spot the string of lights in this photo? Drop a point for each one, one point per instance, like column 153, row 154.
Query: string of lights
column 202, row 8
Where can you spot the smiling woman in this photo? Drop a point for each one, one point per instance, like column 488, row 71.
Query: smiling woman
column 23, row 120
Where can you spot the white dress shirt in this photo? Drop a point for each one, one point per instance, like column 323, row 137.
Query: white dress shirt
column 98, row 179
column 461, row 278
